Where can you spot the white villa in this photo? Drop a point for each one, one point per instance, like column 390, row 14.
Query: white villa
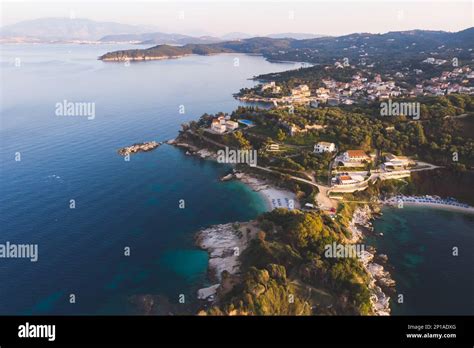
column 217, row 126
column 324, row 146
column 223, row 124
column 397, row 162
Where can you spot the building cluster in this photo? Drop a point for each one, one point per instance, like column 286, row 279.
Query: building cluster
column 434, row 61
column 298, row 94
column 223, row 124
column 459, row 80
column 392, row 167
column 359, row 88
column 301, row 91
column 272, row 87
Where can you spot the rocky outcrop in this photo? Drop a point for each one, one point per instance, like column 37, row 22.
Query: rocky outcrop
column 138, row 147
column 379, row 277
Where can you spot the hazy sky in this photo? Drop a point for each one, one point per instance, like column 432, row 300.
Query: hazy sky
column 257, row 17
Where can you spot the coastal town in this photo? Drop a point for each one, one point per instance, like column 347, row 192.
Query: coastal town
column 364, row 87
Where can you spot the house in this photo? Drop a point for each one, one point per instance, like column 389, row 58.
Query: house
column 396, row 162
column 322, row 90
column 231, row 125
column 272, row 86
column 346, row 179
column 221, row 120
column 217, row 126
column 301, row 91
column 268, row 85
column 355, row 156
column 333, row 101
column 324, row 146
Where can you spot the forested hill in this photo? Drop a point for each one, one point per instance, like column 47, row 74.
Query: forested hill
column 403, row 45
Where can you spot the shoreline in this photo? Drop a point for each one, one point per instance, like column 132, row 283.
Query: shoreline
column 273, row 196
column 379, row 277
column 224, row 244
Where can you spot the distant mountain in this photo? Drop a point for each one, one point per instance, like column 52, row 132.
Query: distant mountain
column 236, row 36
column 51, row 29
column 297, row 36
column 160, row 39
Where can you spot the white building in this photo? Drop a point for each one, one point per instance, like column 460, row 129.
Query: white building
column 355, row 156
column 271, row 85
column 324, row 146
column 397, row 162
column 217, row 127
column 231, row 125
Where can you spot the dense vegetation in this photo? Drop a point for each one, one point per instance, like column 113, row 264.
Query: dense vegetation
column 440, row 136
column 289, row 253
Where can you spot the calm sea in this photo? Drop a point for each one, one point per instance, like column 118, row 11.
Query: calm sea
column 118, row 204
column 419, row 243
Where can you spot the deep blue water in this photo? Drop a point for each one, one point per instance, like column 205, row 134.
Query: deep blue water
column 419, row 243
column 118, row 204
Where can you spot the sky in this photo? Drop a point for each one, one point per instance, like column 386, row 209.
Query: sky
column 198, row 17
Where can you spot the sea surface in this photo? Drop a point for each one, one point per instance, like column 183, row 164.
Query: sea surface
column 419, row 243
column 118, row 204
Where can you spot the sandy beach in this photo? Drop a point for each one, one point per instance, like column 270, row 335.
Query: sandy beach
column 274, row 197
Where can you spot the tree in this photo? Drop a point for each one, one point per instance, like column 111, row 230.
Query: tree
column 281, row 136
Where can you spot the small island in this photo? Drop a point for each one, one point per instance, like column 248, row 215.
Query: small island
column 138, row 147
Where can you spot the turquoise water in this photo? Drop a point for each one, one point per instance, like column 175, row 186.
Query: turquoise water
column 118, row 204
column 419, row 243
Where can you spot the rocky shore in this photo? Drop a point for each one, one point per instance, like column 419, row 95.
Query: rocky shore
column 380, row 279
column 192, row 150
column 138, row 147
column 224, row 243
